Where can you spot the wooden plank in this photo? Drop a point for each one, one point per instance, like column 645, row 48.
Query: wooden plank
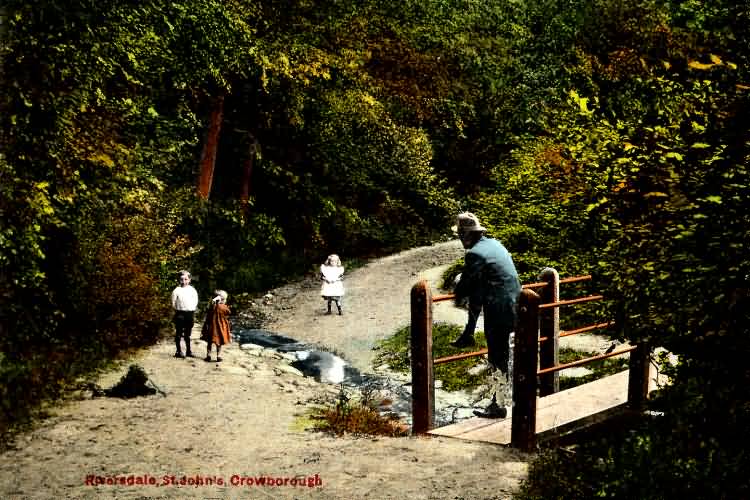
column 556, row 412
column 553, row 411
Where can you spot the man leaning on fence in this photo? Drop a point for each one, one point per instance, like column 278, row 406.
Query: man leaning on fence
column 488, row 281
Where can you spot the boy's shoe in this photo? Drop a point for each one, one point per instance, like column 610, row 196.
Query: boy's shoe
column 178, row 354
column 189, row 355
column 207, row 358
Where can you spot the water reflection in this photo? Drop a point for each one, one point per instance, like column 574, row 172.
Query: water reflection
column 310, row 360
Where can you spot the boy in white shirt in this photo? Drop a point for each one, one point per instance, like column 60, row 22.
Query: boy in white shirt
column 184, row 302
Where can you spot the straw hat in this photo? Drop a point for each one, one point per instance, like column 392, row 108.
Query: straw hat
column 467, row 222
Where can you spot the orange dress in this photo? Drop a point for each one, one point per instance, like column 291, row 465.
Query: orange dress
column 216, row 327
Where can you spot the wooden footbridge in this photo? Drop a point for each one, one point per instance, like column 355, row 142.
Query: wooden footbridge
column 540, row 411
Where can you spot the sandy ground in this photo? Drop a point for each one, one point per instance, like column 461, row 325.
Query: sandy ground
column 223, row 425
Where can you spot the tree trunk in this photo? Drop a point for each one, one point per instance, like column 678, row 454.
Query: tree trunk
column 210, row 147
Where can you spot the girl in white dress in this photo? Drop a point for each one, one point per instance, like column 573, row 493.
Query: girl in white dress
column 332, row 275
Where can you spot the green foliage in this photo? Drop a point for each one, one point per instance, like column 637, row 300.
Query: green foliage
column 649, row 459
column 102, row 118
column 89, row 231
column 379, row 173
column 601, row 137
column 659, row 145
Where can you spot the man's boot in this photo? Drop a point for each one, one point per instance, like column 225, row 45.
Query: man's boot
column 493, row 410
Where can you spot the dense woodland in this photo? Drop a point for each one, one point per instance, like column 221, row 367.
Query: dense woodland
column 246, row 139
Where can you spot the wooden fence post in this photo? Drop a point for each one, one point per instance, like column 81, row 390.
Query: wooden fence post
column 422, row 378
column 523, row 430
column 638, row 376
column 549, row 327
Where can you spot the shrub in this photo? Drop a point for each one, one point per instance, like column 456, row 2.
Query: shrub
column 359, row 417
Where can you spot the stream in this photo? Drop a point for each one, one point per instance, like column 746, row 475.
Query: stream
column 393, row 387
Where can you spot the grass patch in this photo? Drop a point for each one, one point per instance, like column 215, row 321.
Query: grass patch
column 357, row 415
column 395, row 352
column 303, row 422
column 601, row 368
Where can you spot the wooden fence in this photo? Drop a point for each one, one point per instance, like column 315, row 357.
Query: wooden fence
column 535, row 354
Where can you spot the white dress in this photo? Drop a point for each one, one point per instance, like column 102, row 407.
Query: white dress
column 333, row 286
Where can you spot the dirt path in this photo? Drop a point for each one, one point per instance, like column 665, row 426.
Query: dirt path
column 220, row 424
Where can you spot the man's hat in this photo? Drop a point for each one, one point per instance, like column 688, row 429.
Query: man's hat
column 467, row 222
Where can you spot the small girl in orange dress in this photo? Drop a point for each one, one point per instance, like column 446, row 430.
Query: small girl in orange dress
column 216, row 328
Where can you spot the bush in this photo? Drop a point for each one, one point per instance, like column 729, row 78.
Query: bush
column 359, row 417
column 647, row 458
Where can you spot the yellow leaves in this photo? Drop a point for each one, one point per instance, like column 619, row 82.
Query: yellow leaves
column 305, row 68
column 283, row 63
column 109, row 154
column 102, row 159
column 699, row 65
column 626, row 146
column 313, row 70
column 715, row 61
column 39, row 199
column 582, row 102
column 368, row 99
